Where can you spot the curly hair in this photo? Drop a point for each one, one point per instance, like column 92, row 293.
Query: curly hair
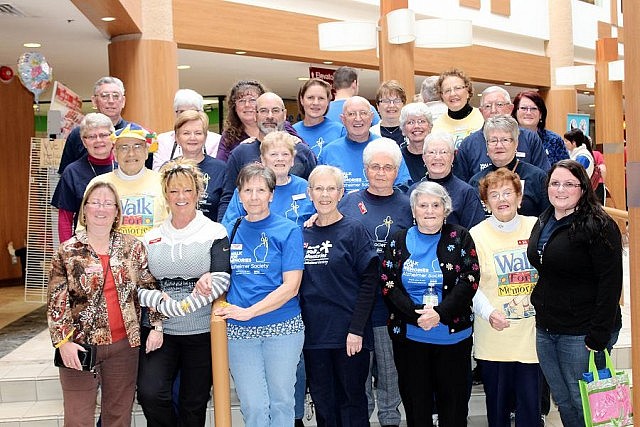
column 499, row 177
column 232, row 124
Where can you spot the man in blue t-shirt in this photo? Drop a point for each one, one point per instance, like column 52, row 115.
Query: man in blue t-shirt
column 346, row 152
column 345, row 82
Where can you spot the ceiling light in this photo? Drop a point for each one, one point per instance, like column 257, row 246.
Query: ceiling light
column 592, row 105
column 241, row 52
column 303, row 79
column 616, row 70
column 327, row 62
column 108, row 19
column 586, row 92
column 444, row 33
column 183, row 67
column 343, row 36
column 32, row 45
column 210, row 102
column 576, row 75
column 507, row 83
column 401, row 26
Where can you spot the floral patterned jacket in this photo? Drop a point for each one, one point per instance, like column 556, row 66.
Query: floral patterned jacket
column 76, row 303
column 461, row 274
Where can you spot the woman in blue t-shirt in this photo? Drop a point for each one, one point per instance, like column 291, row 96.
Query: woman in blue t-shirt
column 264, row 325
column 341, row 269
column 431, row 339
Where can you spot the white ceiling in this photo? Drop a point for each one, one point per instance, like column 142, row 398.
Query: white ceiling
column 77, row 51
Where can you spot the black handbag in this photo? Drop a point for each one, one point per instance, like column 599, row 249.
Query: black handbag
column 87, row 357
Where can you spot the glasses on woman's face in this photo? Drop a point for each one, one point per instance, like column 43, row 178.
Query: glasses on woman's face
column 320, row 190
column 384, row 168
column 453, row 89
column 496, row 195
column 94, row 137
column 569, row 185
column 107, row 204
column 528, row 109
column 492, row 142
column 247, row 101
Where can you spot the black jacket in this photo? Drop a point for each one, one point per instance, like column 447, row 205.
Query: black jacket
column 461, row 274
column 580, row 282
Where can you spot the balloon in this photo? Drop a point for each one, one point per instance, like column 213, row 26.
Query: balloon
column 34, row 73
column 6, row 74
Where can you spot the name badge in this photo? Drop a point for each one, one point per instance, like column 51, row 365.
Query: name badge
column 521, row 154
column 299, row 196
column 236, row 246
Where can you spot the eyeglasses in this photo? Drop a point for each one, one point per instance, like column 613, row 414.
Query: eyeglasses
column 116, row 96
column 377, row 168
column 494, row 141
column 126, row 148
column 434, row 205
column 433, row 153
column 331, row 189
column 98, row 136
column 265, row 111
column 178, row 112
column 454, row 89
column 528, row 109
column 495, row 195
column 246, row 101
column 498, row 105
column 107, row 204
column 189, row 134
column 353, row 114
column 568, row 185
column 420, row 122
column 395, row 101
column 277, row 155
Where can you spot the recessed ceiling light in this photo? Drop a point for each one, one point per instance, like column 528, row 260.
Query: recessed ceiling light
column 507, row 83
column 586, row 92
column 592, row 105
column 183, row 67
column 240, row 52
column 108, row 19
column 303, row 79
column 479, row 94
column 327, row 62
column 32, row 45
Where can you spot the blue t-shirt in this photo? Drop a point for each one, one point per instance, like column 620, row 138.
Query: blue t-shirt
column 347, row 155
column 335, row 109
column 290, row 201
column 382, row 216
column 213, row 171
column 261, row 252
column 336, row 258
column 317, row 136
column 420, row 270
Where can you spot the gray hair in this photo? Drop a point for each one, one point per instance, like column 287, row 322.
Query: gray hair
column 95, row 120
column 108, row 80
column 492, row 89
column 430, row 188
column 439, row 137
column 503, row 123
column 354, row 99
column 382, row 146
column 253, row 170
column 429, row 89
column 333, row 171
column 414, row 109
column 187, row 98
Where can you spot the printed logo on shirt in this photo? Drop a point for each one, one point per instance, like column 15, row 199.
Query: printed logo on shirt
column 413, row 272
column 202, row 203
column 354, row 183
column 137, row 215
column 256, row 263
column 317, row 254
column 292, row 212
column 317, row 147
column 516, row 280
column 381, row 234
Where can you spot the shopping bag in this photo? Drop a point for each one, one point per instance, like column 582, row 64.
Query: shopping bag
column 606, row 402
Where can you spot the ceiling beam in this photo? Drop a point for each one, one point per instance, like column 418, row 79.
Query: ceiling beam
column 128, row 14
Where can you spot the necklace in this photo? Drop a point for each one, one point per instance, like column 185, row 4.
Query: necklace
column 94, row 171
column 388, row 129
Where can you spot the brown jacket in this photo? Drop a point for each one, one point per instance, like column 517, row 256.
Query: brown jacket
column 75, row 298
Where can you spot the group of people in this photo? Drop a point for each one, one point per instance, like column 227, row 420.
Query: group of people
column 363, row 257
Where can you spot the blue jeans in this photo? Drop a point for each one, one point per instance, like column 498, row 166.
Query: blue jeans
column 563, row 359
column 264, row 373
column 387, row 392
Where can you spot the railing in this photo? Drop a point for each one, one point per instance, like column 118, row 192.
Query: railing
column 220, row 368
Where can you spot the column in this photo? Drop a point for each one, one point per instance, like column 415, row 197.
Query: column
column 396, row 60
column 632, row 106
column 609, row 119
column 147, row 63
column 560, row 100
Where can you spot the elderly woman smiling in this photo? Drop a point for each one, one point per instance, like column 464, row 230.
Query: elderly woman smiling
column 415, row 122
column 430, row 274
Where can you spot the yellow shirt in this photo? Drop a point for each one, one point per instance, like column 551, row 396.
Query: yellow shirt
column 459, row 129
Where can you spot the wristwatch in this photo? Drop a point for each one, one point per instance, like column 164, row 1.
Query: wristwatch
column 157, row 328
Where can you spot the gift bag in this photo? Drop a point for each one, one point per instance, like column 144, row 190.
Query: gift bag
column 606, row 402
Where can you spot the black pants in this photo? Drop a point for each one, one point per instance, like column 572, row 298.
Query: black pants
column 428, row 369
column 337, row 386
column 191, row 356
